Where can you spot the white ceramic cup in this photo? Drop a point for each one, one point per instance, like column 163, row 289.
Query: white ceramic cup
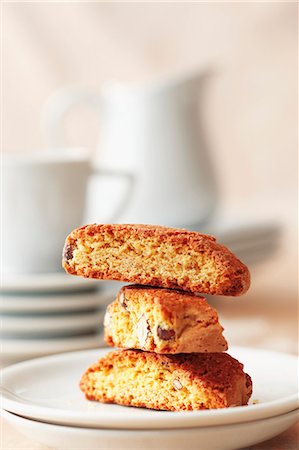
column 43, row 199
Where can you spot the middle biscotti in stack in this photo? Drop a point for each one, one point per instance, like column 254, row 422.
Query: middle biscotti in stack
column 163, row 321
column 173, row 357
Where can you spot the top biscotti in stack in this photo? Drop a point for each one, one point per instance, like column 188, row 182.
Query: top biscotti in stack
column 155, row 256
column 173, row 347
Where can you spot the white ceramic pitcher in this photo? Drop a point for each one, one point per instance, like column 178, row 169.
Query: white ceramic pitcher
column 150, row 134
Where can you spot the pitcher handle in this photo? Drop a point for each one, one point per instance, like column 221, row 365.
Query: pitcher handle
column 54, row 111
column 56, row 108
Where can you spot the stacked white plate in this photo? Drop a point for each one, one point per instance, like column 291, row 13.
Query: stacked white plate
column 41, row 398
column 50, row 313
column 251, row 241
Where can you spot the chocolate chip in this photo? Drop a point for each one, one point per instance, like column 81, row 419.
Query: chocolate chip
column 68, row 252
column 165, row 335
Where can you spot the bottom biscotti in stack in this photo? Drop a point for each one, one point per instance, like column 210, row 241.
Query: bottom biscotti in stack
column 167, row 382
column 173, row 357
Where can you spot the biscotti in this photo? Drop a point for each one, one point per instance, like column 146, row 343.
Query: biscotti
column 163, row 321
column 167, row 382
column 156, row 256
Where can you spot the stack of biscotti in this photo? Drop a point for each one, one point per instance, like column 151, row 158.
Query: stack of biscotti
column 172, row 355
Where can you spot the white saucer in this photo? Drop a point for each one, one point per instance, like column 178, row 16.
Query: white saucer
column 13, row 350
column 35, row 303
column 227, row 437
column 46, row 282
column 16, row 326
column 47, row 389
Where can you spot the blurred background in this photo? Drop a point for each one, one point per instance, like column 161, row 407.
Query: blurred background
column 157, row 91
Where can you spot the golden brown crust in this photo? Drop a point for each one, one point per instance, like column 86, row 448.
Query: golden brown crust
column 156, row 256
column 163, row 321
column 167, row 382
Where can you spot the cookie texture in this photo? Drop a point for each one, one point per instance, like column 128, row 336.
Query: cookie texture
column 155, row 256
column 163, row 321
column 167, row 382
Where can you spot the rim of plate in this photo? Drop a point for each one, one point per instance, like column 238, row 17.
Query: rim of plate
column 162, row 420
column 52, row 426
column 49, row 325
column 11, row 304
column 46, row 282
column 42, row 348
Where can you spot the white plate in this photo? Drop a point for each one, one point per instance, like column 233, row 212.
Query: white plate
column 20, row 349
column 46, row 326
column 47, row 389
column 78, row 301
column 46, row 282
column 223, row 437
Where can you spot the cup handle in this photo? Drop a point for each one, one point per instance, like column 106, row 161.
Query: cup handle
column 122, row 205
